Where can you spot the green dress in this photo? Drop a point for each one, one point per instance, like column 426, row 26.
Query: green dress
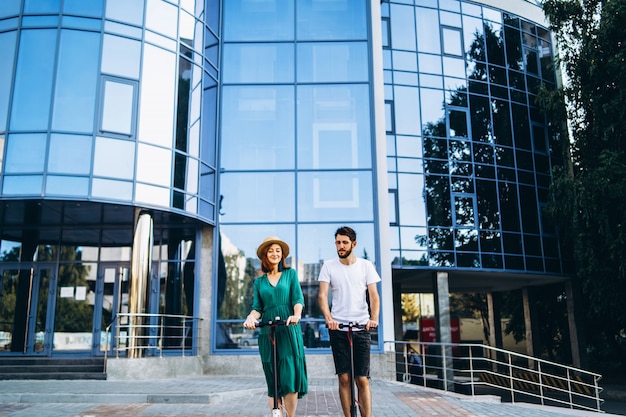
column 278, row 301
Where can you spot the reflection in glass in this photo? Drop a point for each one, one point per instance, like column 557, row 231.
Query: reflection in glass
column 258, row 63
column 154, row 165
column 411, row 204
column 128, row 11
column 427, row 24
column 262, row 197
column 7, row 45
column 333, row 119
column 22, row 185
column 67, row 186
column 33, row 80
column 257, row 127
column 25, row 153
column 69, row 154
column 331, row 20
column 452, row 41
column 332, row 62
column 114, row 158
column 326, row 196
column 403, row 27
column 120, row 56
column 156, row 124
column 75, row 90
column 258, row 21
column 112, row 189
column 162, row 17
column 118, row 107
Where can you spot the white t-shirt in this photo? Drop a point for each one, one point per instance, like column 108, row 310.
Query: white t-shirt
column 348, row 286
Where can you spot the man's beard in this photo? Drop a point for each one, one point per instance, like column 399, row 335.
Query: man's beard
column 345, row 254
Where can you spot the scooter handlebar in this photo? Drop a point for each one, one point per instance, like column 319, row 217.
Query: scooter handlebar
column 276, row 322
column 352, row 326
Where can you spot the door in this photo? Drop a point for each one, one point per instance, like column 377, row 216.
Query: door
column 26, row 309
column 112, row 290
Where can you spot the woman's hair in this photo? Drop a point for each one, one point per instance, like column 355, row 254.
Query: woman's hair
column 266, row 266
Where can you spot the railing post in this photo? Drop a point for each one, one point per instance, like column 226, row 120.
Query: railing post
column 569, row 390
column 471, row 364
column 184, row 335
column 161, row 320
column 540, row 375
column 511, row 377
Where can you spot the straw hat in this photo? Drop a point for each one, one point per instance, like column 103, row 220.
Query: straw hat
column 268, row 241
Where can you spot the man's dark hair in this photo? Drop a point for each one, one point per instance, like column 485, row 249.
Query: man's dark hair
column 346, row 231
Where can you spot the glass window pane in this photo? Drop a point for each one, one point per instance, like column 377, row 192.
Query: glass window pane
column 112, row 190
column 127, row 11
column 331, row 19
column 432, row 112
column 120, row 56
column 7, row 45
column 332, row 62
column 149, row 194
column 406, row 105
column 252, row 197
column 427, row 24
column 9, row 7
column 258, row 63
column 69, row 154
column 22, row 185
column 33, row 80
column 402, row 28
column 411, row 204
column 67, row 186
column 334, row 119
column 156, row 122
column 42, row 6
column 75, row 89
column 258, row 20
column 162, row 18
column 335, row 196
column 154, row 165
column 258, row 127
column 452, row 42
column 114, row 158
column 404, row 61
column 25, row 153
column 84, row 8
column 118, row 107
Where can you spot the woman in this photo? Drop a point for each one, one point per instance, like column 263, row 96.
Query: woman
column 277, row 293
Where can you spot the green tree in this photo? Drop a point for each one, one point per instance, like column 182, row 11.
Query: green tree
column 590, row 191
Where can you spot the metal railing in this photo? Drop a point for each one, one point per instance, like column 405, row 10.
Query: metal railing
column 142, row 335
column 476, row 369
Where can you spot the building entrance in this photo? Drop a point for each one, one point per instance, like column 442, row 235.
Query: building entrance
column 26, row 309
column 48, row 311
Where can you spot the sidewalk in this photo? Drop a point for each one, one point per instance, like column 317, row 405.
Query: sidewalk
column 231, row 396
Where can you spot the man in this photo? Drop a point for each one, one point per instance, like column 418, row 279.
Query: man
column 351, row 281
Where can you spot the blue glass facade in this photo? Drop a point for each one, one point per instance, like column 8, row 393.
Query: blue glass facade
column 413, row 121
column 108, row 109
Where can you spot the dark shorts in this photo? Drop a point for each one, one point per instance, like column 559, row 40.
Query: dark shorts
column 340, row 345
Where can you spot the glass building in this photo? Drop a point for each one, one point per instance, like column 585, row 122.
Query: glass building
column 177, row 134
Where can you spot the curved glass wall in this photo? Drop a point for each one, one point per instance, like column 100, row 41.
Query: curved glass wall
column 296, row 145
column 108, row 109
column 468, row 146
column 110, row 101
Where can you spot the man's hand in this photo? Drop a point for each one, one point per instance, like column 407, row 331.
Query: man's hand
column 371, row 324
column 332, row 324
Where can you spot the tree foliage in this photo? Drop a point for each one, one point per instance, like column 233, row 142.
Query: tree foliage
column 590, row 192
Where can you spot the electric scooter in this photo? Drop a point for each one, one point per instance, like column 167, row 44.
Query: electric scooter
column 354, row 404
column 272, row 324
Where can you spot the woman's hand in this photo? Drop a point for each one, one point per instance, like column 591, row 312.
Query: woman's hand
column 250, row 322
column 295, row 319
